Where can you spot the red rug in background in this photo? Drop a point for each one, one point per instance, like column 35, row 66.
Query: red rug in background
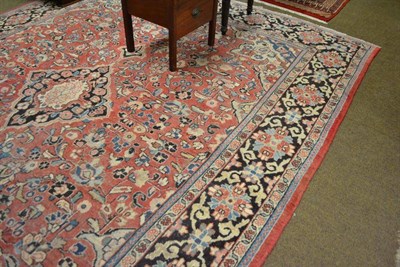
column 108, row 158
column 324, row 10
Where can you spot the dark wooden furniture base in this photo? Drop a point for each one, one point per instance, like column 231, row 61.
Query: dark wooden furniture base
column 226, row 4
column 64, row 3
column 180, row 17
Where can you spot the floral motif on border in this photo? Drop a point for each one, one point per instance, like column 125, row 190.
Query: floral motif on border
column 196, row 229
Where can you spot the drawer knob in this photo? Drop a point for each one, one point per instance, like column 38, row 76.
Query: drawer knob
column 196, row 12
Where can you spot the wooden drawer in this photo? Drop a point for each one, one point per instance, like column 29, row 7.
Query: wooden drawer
column 156, row 11
column 191, row 14
column 183, row 16
column 180, row 17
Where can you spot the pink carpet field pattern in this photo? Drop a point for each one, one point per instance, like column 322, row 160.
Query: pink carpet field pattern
column 109, row 159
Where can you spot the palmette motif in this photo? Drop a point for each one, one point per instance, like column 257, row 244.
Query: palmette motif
column 108, row 158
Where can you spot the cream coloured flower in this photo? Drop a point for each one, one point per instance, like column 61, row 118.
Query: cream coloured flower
column 29, row 251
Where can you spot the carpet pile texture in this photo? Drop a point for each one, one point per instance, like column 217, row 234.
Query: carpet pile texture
column 323, row 10
column 107, row 158
column 22, row 16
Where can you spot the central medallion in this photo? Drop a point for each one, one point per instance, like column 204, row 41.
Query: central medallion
column 63, row 95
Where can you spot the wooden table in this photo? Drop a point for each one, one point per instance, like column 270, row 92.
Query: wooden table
column 226, row 4
column 180, row 17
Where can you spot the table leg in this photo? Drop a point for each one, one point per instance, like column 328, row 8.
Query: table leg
column 212, row 25
column 130, row 43
column 172, row 50
column 226, row 4
column 211, row 33
column 250, row 6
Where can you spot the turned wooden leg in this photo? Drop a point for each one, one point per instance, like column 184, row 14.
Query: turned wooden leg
column 172, row 50
column 130, row 43
column 250, row 6
column 226, row 4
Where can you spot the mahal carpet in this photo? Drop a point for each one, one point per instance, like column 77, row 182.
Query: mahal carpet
column 109, row 159
column 21, row 17
column 323, row 10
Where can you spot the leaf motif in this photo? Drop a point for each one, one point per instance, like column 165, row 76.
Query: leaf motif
column 58, row 243
column 48, row 155
column 94, row 224
column 247, row 153
column 62, row 204
column 97, row 195
column 121, row 189
column 115, row 160
column 60, row 149
column 257, row 192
